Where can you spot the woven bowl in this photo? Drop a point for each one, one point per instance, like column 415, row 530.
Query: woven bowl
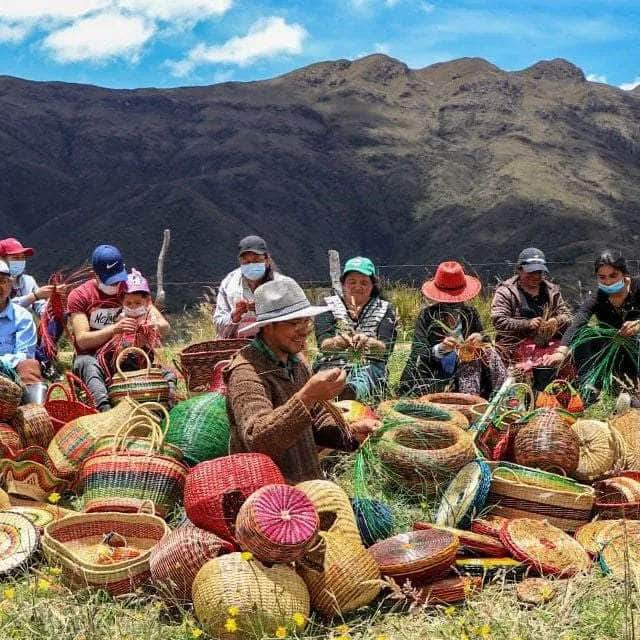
column 462, row 402
column 277, row 523
column 412, row 410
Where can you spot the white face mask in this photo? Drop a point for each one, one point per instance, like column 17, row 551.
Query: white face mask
column 108, row 289
column 17, row 267
column 134, row 312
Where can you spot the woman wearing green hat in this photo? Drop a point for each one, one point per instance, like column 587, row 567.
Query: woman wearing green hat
column 358, row 331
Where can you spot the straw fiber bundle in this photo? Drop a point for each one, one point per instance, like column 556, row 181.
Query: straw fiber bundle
column 265, row 597
column 374, row 518
column 341, row 576
column 543, row 547
column 470, row 542
column 450, row 590
column 628, row 426
column 413, row 410
column 462, row 402
column 10, row 398
column 34, row 425
column 599, row 451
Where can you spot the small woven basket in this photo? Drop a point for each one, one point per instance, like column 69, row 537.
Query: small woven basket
column 65, row 409
column 143, row 385
column 277, row 523
column 10, row 398
column 264, row 598
column 197, row 361
column 34, row 425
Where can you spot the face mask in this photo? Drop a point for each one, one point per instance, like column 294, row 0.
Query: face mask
column 108, row 289
column 253, row 270
column 134, row 312
column 16, row 267
column 616, row 287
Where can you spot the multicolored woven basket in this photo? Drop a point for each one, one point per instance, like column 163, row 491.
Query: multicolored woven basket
column 34, row 425
column 143, row 385
column 30, row 479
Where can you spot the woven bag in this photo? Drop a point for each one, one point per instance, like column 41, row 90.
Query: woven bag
column 64, row 410
column 598, row 451
column 34, row 425
column 277, row 523
column 546, row 442
column 560, row 394
column 177, row 558
column 215, row 490
column 197, row 361
column 412, row 411
column 143, row 385
column 264, row 598
column 10, row 438
column 341, row 576
column 465, row 403
column 80, row 544
column 200, row 428
column 10, row 398
column 426, row 457
column 122, row 480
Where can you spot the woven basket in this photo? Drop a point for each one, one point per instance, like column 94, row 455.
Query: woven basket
column 10, row 398
column 77, row 439
column 547, row 443
column 215, row 490
column 277, row 523
column 426, row 457
column 621, row 558
column 519, row 492
column 627, row 426
column 200, row 428
column 265, row 597
column 560, row 394
column 413, row 410
column 122, row 480
column 66, row 409
column 594, row 535
column 30, row 479
column 341, row 576
column 488, row 525
column 334, row 509
column 470, row 542
column 598, row 450
column 10, row 438
column 143, row 385
column 79, row 543
column 375, row 520
column 18, row 541
column 450, row 590
column 543, row 547
column 463, row 402
column 34, row 425
column 197, row 361
column 617, row 497
column 418, row 556
column 177, row 558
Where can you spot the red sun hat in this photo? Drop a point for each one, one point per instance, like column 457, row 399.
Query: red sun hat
column 451, row 284
column 13, row 247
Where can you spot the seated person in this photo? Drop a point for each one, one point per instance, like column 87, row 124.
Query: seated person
column 235, row 303
column 448, row 350
column 274, row 404
column 359, row 323
column 94, row 310
column 528, row 311
column 17, row 335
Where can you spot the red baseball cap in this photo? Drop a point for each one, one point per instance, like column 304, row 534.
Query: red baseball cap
column 13, row 247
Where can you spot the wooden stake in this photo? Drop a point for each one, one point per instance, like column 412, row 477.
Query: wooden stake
column 160, row 293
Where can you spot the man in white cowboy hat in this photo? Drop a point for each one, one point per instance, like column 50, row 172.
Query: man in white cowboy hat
column 272, row 400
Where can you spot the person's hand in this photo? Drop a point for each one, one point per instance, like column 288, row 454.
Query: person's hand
column 474, row 339
column 125, row 325
column 337, row 343
column 448, row 345
column 553, row 325
column 361, row 429
column 43, row 293
column 241, row 307
column 534, row 323
column 360, row 341
column 630, row 328
column 324, row 385
column 553, row 359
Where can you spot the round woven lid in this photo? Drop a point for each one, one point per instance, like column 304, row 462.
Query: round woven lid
column 597, row 449
column 18, row 540
column 469, row 540
column 621, row 557
column 38, row 516
column 465, row 496
column 488, row 525
column 544, row 547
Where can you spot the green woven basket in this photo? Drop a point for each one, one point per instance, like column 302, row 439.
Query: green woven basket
column 200, row 428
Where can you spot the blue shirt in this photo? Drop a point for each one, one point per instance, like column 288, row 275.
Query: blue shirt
column 17, row 335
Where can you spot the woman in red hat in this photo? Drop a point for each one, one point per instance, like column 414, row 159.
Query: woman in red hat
column 448, row 349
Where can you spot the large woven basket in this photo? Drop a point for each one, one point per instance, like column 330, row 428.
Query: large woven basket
column 197, row 361
column 79, row 544
column 263, row 598
column 341, row 576
column 34, row 425
column 463, row 402
column 200, row 428
column 424, row 456
column 277, row 523
column 520, row 492
column 177, row 558
column 599, row 450
column 627, row 425
column 10, row 398
column 546, row 442
column 67, row 408
column 412, row 410
column 215, row 490
column 143, row 385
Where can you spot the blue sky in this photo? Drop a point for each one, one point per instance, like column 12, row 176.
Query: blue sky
column 167, row 43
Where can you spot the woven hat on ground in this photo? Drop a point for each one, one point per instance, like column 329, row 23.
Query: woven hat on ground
column 34, row 425
column 543, row 547
column 620, row 558
column 177, row 558
column 18, row 540
column 470, row 542
column 627, row 425
column 490, row 568
column 450, row 590
column 618, row 497
column 265, row 597
column 10, row 398
column 413, row 410
column 466, row 403
column 488, row 525
column 277, row 523
column 598, row 449
column 216, row 489
column 418, row 556
column 37, row 515
column 465, row 496
column 374, row 518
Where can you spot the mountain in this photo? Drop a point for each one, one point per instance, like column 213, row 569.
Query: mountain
column 459, row 159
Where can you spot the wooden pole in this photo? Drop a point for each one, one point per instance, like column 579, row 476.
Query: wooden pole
column 160, row 293
column 334, row 271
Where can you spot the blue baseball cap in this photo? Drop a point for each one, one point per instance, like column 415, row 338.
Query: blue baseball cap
column 108, row 264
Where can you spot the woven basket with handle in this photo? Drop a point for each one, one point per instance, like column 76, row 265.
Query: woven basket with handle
column 70, row 406
column 143, row 385
column 197, row 361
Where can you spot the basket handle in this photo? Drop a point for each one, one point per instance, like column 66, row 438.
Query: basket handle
column 139, row 426
column 74, row 381
column 147, row 409
column 69, row 394
column 147, row 506
column 555, row 387
column 129, row 351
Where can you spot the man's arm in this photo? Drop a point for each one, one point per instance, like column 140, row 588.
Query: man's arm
column 88, row 340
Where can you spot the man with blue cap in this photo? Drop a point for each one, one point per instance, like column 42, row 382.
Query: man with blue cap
column 94, row 309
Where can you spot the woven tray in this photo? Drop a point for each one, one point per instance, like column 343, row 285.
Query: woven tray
column 450, row 590
column 469, row 541
column 18, row 541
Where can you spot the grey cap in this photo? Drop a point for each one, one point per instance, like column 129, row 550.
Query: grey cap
column 255, row 244
column 532, row 259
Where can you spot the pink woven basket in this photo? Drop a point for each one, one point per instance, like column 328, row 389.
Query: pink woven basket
column 277, row 523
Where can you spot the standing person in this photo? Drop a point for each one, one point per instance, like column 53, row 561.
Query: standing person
column 94, row 309
column 235, row 303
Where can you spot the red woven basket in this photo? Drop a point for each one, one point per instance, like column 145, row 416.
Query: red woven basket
column 277, row 523
column 216, row 489
column 450, row 590
column 197, row 361
column 63, row 410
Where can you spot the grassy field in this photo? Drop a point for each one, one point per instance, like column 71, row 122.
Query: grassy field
column 36, row 605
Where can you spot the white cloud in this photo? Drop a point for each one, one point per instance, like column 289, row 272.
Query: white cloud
column 42, row 10
column 266, row 38
column 381, row 47
column 595, row 77
column 628, row 86
column 391, row 3
column 9, row 33
column 107, row 35
column 222, row 76
column 168, row 10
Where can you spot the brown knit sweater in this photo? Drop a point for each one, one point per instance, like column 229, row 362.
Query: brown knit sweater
column 266, row 417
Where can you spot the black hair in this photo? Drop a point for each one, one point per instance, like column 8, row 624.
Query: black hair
column 613, row 259
column 376, row 292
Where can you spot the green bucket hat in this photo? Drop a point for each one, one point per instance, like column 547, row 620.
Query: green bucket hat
column 361, row 265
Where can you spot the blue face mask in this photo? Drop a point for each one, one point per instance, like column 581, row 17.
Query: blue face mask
column 253, row 270
column 616, row 287
column 16, row 267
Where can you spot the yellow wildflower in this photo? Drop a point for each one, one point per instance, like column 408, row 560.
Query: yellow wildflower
column 449, row 611
column 196, row 632
column 342, row 638
column 54, row 497
column 343, row 629
column 484, row 631
column 246, row 555
column 382, row 638
column 9, row 593
column 55, row 571
column 43, row 585
column 231, row 625
column 233, row 611
column 281, row 632
column 299, row 619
